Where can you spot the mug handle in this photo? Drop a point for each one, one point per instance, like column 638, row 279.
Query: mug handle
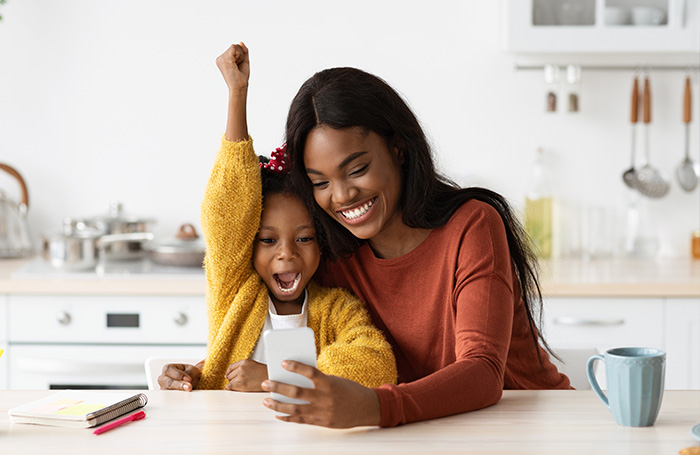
column 594, row 382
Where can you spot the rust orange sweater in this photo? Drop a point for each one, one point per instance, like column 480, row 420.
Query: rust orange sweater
column 452, row 310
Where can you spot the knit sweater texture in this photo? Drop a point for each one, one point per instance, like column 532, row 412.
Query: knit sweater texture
column 347, row 343
column 452, row 310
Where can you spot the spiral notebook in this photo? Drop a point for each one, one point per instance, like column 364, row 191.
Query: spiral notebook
column 77, row 408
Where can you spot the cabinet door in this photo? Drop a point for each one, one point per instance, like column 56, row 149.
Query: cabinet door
column 683, row 343
column 542, row 26
column 604, row 323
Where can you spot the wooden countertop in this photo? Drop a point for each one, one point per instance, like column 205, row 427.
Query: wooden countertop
column 621, row 278
column 559, row 278
column 523, row 422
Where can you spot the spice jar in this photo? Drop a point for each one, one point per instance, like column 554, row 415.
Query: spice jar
column 695, row 245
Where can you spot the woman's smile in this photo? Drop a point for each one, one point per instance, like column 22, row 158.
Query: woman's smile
column 358, row 213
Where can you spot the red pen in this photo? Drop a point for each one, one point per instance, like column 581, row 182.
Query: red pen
column 130, row 418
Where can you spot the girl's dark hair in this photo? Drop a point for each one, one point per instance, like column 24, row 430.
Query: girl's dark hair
column 348, row 97
column 274, row 182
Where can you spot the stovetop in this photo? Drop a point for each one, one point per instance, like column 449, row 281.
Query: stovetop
column 132, row 269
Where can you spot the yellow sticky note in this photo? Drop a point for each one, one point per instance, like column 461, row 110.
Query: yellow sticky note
column 80, row 409
column 1, row 351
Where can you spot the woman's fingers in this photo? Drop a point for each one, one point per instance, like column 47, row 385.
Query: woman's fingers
column 333, row 402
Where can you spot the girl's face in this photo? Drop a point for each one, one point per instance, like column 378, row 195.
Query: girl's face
column 286, row 253
column 356, row 179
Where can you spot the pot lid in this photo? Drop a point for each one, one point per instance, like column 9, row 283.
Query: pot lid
column 185, row 241
column 76, row 229
column 116, row 214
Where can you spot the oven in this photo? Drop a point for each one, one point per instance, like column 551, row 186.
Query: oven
column 85, row 342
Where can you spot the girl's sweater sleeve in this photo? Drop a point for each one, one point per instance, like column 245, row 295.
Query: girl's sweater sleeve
column 350, row 346
column 230, row 218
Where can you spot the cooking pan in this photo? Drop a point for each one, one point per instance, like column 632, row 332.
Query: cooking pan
column 185, row 250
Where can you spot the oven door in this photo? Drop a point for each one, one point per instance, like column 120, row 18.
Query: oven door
column 52, row 366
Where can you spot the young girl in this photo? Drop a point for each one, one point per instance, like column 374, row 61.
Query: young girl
column 259, row 269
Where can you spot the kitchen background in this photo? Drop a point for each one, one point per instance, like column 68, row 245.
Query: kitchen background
column 103, row 101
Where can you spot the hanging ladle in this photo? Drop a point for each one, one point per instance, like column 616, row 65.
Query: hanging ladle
column 651, row 182
column 687, row 171
column 630, row 175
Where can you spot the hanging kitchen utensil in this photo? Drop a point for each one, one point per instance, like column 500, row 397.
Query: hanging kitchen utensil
column 15, row 236
column 630, row 175
column 185, row 250
column 551, row 78
column 573, row 79
column 651, row 182
column 688, row 170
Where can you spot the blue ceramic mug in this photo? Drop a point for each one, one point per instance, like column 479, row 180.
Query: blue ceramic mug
column 635, row 378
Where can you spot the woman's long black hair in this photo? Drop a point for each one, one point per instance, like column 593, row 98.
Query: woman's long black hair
column 348, row 97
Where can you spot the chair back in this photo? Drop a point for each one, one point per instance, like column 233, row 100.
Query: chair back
column 573, row 365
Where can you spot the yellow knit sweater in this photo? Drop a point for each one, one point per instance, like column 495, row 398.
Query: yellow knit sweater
column 347, row 343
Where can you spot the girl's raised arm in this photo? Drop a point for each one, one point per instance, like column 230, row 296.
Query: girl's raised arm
column 235, row 67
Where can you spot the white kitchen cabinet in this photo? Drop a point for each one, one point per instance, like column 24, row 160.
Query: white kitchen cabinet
column 683, row 343
column 79, row 341
column 671, row 324
column 580, row 26
column 604, row 323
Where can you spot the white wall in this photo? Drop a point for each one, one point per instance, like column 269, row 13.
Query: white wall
column 122, row 100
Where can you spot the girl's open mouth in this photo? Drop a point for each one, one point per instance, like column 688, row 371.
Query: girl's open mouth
column 288, row 282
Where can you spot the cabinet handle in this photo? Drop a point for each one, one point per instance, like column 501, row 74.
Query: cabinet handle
column 64, row 318
column 180, row 319
column 570, row 320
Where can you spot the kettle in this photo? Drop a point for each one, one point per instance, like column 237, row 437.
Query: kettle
column 15, row 238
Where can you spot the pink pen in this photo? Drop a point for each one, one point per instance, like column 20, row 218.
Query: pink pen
column 130, row 418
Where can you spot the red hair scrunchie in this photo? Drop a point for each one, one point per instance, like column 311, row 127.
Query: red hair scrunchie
column 279, row 161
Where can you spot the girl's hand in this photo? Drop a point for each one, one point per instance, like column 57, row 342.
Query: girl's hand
column 334, row 402
column 235, row 67
column 246, row 376
column 180, row 376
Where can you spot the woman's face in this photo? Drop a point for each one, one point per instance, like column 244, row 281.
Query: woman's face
column 286, row 253
column 356, row 179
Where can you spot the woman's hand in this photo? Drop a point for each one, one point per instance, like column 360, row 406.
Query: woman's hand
column 235, row 67
column 246, row 376
column 334, row 402
column 180, row 376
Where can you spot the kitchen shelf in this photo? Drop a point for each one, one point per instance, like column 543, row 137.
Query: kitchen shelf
column 579, row 26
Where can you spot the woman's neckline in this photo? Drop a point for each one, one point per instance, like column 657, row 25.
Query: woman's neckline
column 410, row 242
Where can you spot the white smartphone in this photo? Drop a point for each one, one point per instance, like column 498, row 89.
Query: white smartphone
column 289, row 344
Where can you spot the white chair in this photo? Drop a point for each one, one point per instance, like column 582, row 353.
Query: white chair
column 154, row 368
column 573, row 365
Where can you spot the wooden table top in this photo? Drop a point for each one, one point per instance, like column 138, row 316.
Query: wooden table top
column 212, row 422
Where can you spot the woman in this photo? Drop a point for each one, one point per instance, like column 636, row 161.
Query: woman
column 446, row 273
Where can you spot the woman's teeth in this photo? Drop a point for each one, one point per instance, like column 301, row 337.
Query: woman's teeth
column 288, row 282
column 358, row 212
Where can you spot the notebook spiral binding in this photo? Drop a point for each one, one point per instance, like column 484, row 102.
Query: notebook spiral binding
column 118, row 409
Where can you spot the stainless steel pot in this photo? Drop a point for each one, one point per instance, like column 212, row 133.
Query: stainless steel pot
column 81, row 247
column 117, row 223
column 73, row 248
column 122, row 247
column 185, row 250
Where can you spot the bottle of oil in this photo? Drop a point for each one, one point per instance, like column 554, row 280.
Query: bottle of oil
column 538, row 209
